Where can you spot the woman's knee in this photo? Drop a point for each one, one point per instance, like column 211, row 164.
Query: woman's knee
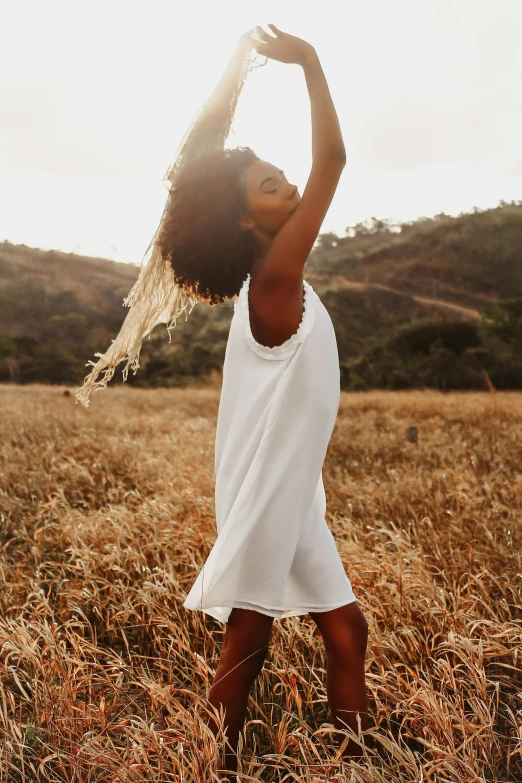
column 244, row 661
column 344, row 631
column 247, row 641
column 360, row 634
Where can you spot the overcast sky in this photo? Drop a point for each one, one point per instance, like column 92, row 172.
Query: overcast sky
column 95, row 98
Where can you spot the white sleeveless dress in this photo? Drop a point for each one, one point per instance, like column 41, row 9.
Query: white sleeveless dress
column 274, row 552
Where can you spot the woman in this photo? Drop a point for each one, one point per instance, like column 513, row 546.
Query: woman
column 234, row 226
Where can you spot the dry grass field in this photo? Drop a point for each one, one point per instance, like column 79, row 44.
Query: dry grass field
column 106, row 517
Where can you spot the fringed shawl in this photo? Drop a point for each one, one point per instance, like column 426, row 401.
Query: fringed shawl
column 155, row 297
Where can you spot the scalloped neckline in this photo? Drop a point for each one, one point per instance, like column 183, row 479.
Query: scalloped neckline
column 305, row 325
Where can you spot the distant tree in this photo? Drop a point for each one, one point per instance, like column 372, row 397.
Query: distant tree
column 504, row 320
column 372, row 227
column 327, row 240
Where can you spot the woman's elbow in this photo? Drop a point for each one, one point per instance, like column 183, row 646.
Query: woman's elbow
column 342, row 156
column 337, row 155
column 332, row 157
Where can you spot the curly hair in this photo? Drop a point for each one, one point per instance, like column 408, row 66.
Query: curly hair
column 210, row 253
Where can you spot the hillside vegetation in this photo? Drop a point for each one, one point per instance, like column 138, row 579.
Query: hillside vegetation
column 433, row 303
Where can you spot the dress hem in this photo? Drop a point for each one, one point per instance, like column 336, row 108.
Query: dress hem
column 280, row 613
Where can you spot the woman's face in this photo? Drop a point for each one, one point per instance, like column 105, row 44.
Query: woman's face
column 270, row 198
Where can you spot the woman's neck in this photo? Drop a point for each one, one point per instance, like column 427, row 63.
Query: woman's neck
column 263, row 242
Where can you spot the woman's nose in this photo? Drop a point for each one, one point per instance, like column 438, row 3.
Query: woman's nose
column 292, row 190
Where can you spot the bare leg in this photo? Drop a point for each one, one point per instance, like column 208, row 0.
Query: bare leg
column 345, row 635
column 245, row 647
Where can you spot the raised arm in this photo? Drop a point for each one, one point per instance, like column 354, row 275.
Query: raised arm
column 282, row 267
column 327, row 141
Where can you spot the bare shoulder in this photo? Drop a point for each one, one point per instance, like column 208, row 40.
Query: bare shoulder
column 276, row 308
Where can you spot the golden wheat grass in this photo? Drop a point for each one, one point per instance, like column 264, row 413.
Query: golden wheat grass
column 106, row 516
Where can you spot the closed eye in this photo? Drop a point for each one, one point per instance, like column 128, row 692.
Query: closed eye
column 283, row 175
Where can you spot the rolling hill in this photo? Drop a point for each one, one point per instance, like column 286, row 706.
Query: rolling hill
column 436, row 302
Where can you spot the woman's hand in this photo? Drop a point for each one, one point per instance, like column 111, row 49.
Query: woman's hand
column 284, row 47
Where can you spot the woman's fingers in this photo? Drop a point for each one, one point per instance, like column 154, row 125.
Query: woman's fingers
column 259, row 46
column 263, row 35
